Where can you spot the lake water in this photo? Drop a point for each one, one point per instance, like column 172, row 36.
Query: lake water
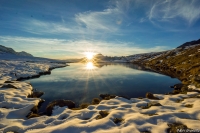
column 82, row 82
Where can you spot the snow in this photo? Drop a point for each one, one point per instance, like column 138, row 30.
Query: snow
column 65, row 120
column 14, row 106
column 14, row 68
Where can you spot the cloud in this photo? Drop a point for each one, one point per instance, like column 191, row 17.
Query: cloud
column 61, row 48
column 170, row 10
column 40, row 27
column 106, row 20
column 90, row 22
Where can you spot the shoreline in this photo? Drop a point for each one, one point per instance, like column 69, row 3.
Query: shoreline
column 48, row 72
column 142, row 104
column 106, row 96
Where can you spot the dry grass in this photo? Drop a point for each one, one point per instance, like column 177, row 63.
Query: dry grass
column 189, row 105
column 33, row 115
column 184, row 66
column 118, row 120
column 102, row 114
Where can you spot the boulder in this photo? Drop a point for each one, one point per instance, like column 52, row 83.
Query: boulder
column 151, row 96
column 96, row 101
column 37, row 94
column 106, row 96
column 153, row 104
column 61, row 103
column 103, row 96
column 177, row 86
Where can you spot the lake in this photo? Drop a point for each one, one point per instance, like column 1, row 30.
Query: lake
column 81, row 82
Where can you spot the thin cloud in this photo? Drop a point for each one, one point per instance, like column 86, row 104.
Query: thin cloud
column 41, row 27
column 169, row 10
column 106, row 20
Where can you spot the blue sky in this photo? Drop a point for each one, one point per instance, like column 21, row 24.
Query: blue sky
column 68, row 28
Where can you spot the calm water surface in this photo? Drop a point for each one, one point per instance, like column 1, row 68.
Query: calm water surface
column 83, row 82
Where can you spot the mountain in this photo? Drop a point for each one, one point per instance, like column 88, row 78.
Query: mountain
column 182, row 62
column 101, row 58
column 189, row 43
column 8, row 50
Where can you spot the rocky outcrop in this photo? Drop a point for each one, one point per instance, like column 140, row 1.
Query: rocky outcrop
column 36, row 94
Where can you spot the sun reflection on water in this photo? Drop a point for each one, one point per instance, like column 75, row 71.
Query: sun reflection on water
column 90, row 66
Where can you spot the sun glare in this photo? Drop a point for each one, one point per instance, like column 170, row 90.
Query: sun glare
column 89, row 55
column 89, row 65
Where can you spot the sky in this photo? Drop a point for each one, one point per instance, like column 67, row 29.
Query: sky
column 63, row 29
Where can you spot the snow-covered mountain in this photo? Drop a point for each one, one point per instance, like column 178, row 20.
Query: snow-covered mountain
column 7, row 50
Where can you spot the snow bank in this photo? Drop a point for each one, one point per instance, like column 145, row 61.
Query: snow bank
column 24, row 69
column 14, row 106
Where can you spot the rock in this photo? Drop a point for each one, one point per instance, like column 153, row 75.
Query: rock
column 45, row 73
column 178, row 86
column 96, row 101
column 106, row 96
column 84, row 105
column 8, row 86
column 35, row 109
column 60, row 103
column 176, row 91
column 153, row 104
column 40, row 102
column 37, row 94
column 103, row 96
column 151, row 96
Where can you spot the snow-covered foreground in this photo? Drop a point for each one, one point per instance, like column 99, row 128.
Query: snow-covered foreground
column 14, row 106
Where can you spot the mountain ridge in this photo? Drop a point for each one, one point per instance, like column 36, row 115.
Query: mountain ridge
column 189, row 43
column 4, row 49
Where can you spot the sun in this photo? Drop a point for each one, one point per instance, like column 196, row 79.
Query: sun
column 89, row 55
